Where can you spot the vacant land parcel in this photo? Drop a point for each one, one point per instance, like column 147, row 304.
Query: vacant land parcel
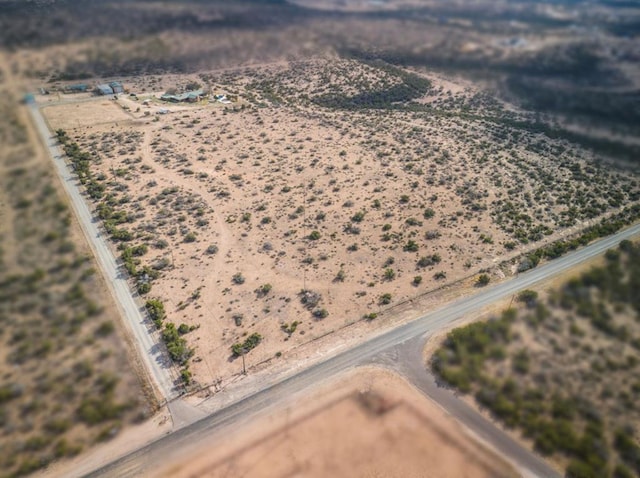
column 328, row 190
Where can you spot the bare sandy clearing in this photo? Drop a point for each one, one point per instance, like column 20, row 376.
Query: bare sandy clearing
column 76, row 115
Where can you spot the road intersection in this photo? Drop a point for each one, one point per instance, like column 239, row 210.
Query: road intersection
column 398, row 339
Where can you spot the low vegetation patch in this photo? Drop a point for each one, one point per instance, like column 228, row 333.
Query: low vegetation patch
column 65, row 381
column 562, row 370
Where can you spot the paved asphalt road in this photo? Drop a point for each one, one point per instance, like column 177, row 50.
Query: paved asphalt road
column 151, row 351
column 139, row 462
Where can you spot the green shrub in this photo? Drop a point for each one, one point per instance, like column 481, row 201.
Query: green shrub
column 426, row 261
column 320, row 313
column 64, row 449
column 176, row 345
column 249, row 344
column 628, row 449
column 143, row 287
column 94, row 410
column 264, row 289
column 483, row 279
column 238, row 278
column 57, row 426
column 411, row 246
column 104, row 329
column 529, row 297
column 155, row 309
column 290, row 329
column 185, row 376
column 520, row 362
column 358, row 217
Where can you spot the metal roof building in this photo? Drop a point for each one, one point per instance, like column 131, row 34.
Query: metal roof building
column 117, row 87
column 104, row 89
column 188, row 96
column 79, row 87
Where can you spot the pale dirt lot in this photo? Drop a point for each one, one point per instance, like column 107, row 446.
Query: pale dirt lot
column 256, row 182
column 75, row 115
column 369, row 422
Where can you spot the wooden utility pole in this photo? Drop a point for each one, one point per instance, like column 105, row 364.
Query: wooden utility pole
column 304, row 234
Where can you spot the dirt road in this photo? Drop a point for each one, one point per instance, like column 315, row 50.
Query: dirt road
column 148, row 342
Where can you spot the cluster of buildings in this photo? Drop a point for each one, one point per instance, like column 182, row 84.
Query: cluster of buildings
column 193, row 97
column 189, row 96
column 116, row 87
column 112, row 88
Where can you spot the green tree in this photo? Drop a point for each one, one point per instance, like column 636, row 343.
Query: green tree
column 483, row 279
column 155, row 309
column 249, row 344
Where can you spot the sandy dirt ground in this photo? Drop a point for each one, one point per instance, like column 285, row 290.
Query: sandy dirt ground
column 94, row 112
column 367, row 423
column 230, row 198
